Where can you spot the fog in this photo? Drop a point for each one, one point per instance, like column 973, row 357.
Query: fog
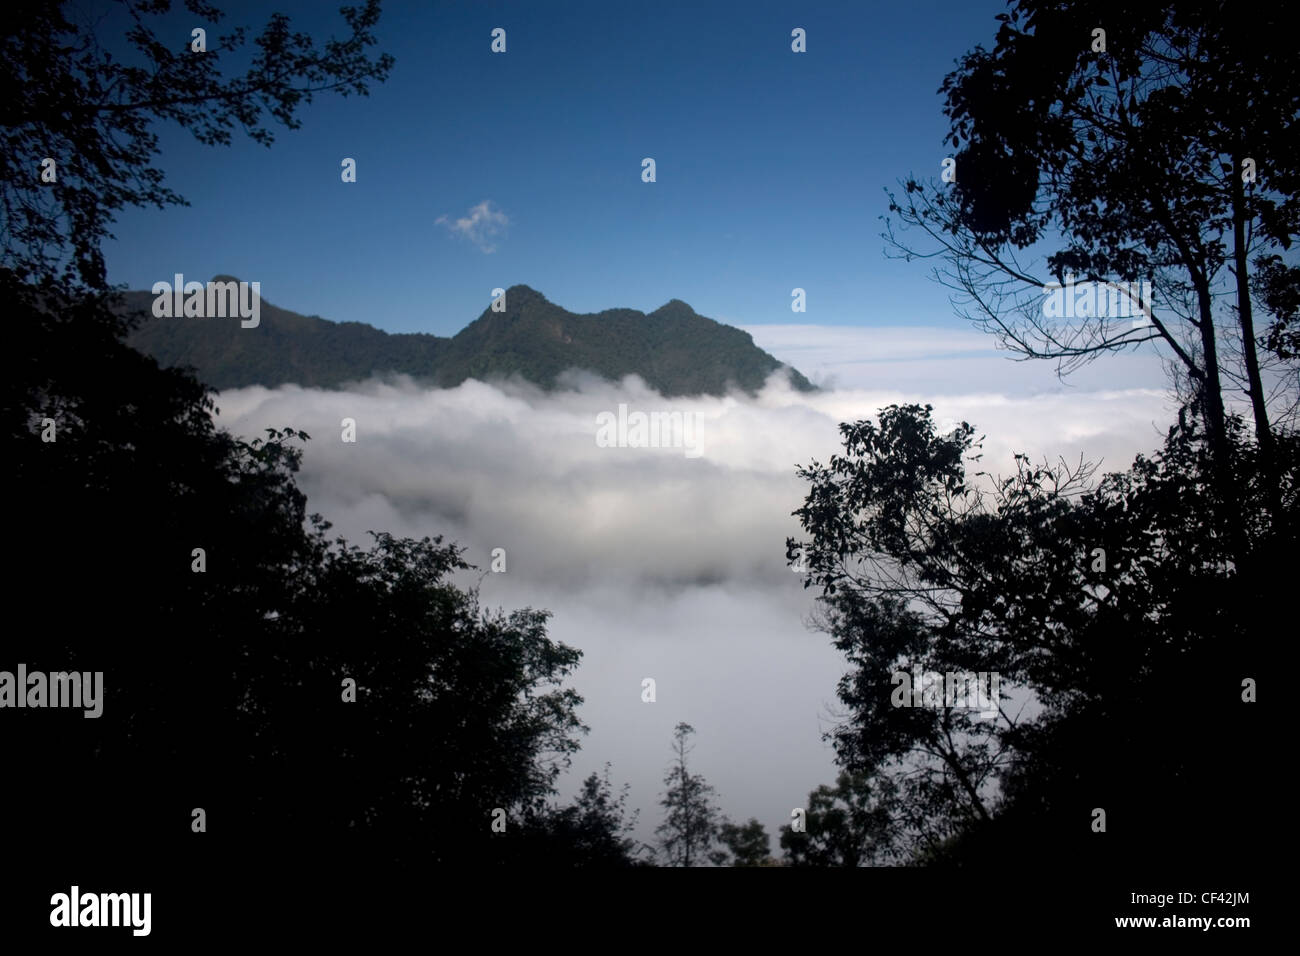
column 661, row 565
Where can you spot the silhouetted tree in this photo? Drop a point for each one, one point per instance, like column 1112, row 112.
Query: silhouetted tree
column 1126, row 154
column 1277, row 286
column 86, row 93
column 180, row 560
column 853, row 823
column 746, row 844
column 1163, row 150
column 1115, row 613
column 459, row 712
column 593, row 831
column 223, row 686
column 691, row 818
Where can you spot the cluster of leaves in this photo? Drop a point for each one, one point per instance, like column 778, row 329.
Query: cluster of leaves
column 849, row 824
column 1125, row 162
column 89, row 98
column 594, row 831
column 1104, row 663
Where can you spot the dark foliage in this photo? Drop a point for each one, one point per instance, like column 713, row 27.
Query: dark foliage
column 1121, row 674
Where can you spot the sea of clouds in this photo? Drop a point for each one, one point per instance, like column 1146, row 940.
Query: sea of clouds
column 661, row 565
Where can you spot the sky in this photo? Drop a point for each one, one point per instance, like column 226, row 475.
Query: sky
column 771, row 165
column 478, row 171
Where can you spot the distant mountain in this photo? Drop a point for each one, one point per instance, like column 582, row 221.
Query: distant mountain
column 675, row 350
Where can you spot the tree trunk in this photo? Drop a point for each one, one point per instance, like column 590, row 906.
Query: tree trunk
column 1211, row 396
column 1245, row 314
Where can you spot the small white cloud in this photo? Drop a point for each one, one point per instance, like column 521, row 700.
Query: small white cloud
column 482, row 226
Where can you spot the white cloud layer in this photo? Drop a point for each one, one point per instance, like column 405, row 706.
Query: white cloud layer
column 942, row 360
column 654, row 563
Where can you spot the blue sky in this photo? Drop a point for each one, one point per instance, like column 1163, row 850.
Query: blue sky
column 770, row 165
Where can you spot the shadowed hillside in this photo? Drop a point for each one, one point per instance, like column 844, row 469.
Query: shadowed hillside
column 675, row 350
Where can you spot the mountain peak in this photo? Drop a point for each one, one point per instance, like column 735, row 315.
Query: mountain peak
column 523, row 293
column 673, row 349
column 675, row 307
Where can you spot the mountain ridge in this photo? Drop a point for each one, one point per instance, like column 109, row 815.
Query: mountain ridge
column 674, row 349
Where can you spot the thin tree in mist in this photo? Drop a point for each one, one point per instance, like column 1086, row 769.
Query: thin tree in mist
column 691, row 818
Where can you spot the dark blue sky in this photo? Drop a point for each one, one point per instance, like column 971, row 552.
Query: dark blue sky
column 770, row 165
